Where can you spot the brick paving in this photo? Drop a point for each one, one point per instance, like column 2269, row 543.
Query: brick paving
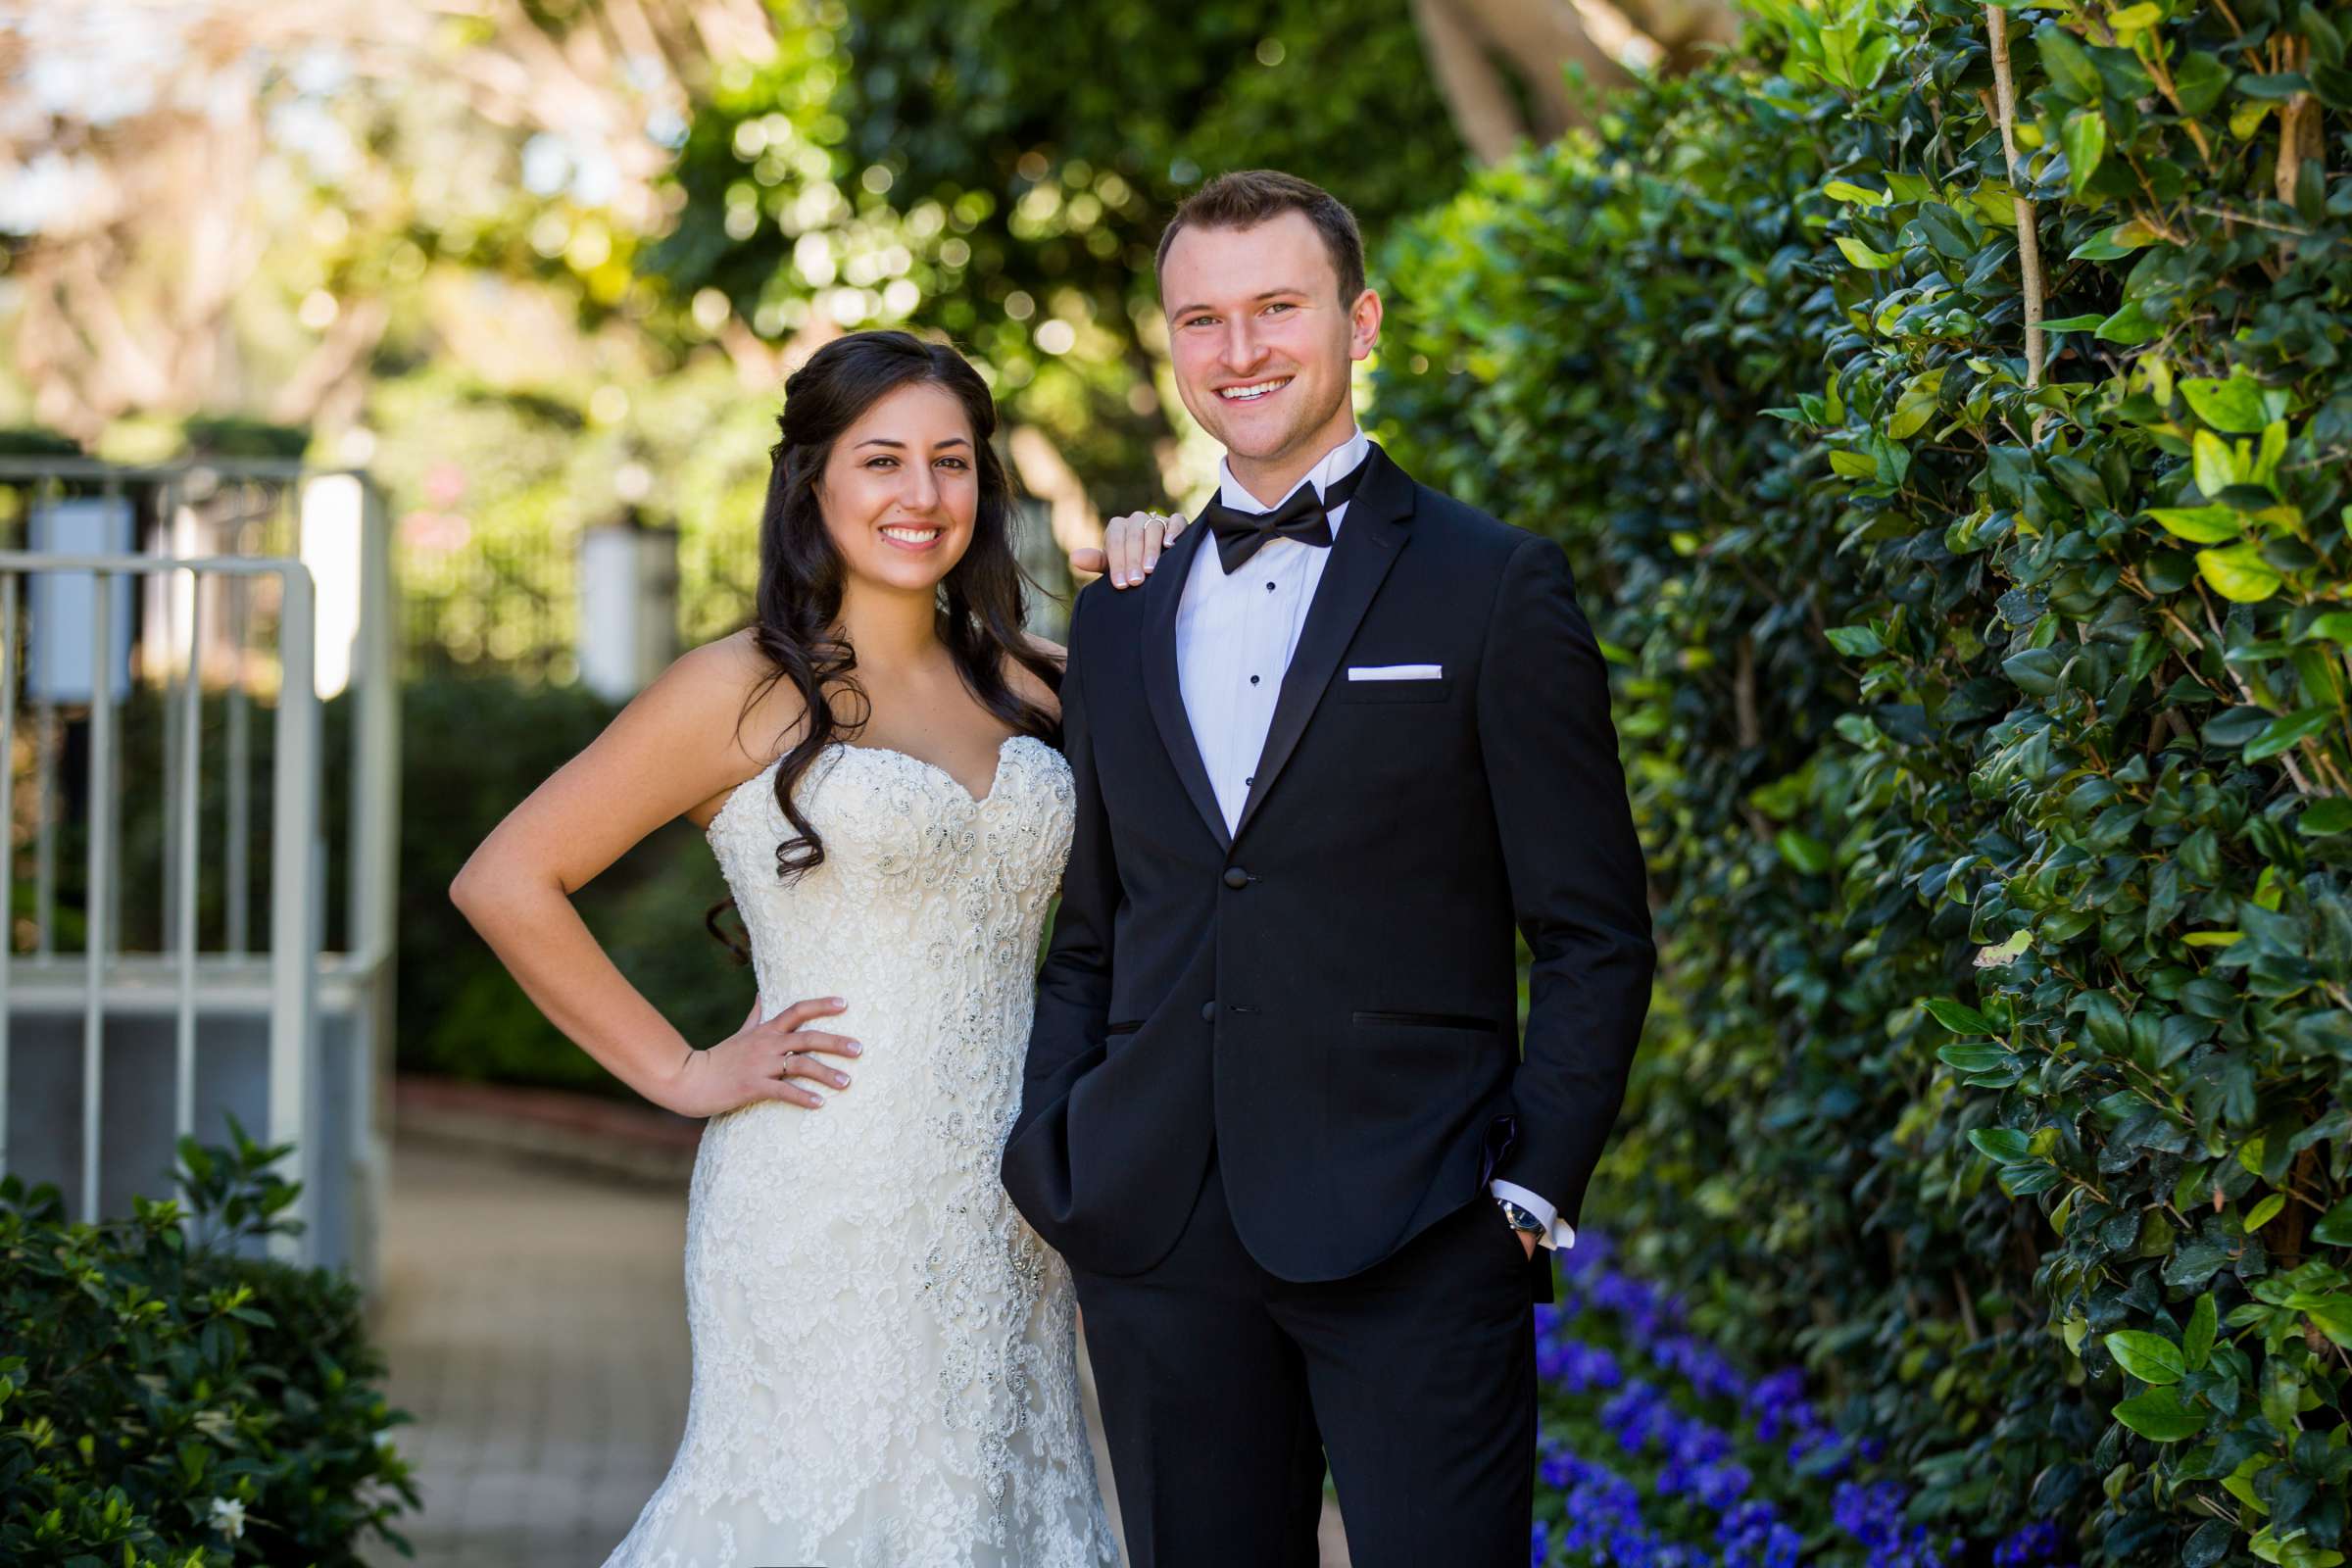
column 535, row 1321
column 534, row 1316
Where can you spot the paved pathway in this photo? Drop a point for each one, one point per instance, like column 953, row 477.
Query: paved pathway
column 535, row 1321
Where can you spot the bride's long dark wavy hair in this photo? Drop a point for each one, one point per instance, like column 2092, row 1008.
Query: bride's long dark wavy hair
column 802, row 574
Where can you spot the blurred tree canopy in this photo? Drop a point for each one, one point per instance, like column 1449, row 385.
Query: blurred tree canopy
column 235, row 208
column 359, row 222
column 958, row 167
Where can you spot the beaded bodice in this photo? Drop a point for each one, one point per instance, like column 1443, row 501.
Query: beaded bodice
column 925, row 916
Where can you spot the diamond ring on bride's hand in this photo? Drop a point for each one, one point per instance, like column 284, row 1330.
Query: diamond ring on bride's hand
column 1131, row 547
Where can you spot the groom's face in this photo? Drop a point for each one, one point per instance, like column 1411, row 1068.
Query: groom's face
column 1261, row 339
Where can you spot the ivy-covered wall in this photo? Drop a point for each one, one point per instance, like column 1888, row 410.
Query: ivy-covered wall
column 1946, row 410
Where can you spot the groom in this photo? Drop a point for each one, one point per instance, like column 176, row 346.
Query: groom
column 1276, row 1115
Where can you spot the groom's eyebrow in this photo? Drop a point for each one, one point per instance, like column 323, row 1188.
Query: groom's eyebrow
column 1268, row 294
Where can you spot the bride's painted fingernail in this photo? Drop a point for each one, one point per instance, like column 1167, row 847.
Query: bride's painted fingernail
column 841, row 1080
column 853, row 1049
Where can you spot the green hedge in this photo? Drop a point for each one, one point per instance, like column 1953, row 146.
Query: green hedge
column 167, row 1398
column 1986, row 721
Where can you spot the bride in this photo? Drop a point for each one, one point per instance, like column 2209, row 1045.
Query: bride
column 884, row 1354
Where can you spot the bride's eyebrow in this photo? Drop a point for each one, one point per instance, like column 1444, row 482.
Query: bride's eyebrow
column 894, row 441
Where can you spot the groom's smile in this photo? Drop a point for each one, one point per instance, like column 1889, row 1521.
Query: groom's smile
column 1250, row 392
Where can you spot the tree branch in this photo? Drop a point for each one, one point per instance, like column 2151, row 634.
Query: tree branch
column 2029, row 240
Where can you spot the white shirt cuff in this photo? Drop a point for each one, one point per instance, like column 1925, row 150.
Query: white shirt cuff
column 1558, row 1232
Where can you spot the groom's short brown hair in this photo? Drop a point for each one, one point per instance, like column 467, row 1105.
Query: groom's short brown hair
column 1248, row 197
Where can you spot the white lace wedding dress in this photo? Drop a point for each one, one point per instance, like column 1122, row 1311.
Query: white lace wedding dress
column 884, row 1352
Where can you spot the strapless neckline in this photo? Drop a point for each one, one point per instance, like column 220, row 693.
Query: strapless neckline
column 909, row 759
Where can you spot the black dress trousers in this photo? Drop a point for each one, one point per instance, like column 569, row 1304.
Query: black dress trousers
column 1223, row 1389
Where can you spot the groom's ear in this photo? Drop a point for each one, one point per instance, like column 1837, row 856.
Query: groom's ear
column 1363, row 324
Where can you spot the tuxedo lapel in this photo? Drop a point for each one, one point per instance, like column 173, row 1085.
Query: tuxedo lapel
column 1163, row 692
column 1368, row 542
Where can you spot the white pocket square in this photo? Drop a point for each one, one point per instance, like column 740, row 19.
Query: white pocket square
column 1394, row 671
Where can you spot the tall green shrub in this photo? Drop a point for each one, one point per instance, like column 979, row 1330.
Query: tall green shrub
column 1985, row 715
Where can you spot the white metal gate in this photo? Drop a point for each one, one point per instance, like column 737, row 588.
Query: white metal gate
column 107, row 1056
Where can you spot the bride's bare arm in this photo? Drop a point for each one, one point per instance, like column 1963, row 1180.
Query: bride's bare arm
column 672, row 750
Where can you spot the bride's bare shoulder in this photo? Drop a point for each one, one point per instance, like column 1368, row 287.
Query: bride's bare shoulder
column 729, row 685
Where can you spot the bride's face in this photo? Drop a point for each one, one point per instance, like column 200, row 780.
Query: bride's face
column 899, row 490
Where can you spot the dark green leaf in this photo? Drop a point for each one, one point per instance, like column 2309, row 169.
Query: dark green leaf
column 2159, row 1416
column 2004, row 1145
column 1959, row 1017
column 2284, row 734
column 2063, row 57
column 2196, row 1340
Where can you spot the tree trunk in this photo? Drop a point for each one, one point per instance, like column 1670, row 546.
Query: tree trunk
column 1479, row 50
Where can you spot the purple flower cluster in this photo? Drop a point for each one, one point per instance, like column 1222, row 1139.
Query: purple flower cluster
column 1605, row 1520
column 1653, row 1321
column 1698, row 1457
column 1874, row 1516
column 1777, row 1404
column 1574, row 1366
column 1603, row 1523
column 2035, row 1544
column 1697, row 1460
column 1754, row 1535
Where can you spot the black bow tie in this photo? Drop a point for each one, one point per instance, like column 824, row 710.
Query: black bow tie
column 1304, row 517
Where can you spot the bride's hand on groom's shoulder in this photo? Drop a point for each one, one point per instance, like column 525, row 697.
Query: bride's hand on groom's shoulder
column 760, row 1061
column 1131, row 547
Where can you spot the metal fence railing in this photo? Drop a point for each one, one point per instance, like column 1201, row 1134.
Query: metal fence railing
column 164, row 754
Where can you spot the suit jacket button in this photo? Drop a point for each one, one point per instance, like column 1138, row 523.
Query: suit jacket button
column 1208, row 1013
column 1236, row 877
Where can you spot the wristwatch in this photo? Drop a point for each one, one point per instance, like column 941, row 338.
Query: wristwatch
column 1520, row 1219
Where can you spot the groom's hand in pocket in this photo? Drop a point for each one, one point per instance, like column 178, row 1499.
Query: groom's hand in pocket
column 761, row 1061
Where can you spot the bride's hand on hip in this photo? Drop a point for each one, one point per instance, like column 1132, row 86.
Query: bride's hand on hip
column 1131, row 547
column 759, row 1062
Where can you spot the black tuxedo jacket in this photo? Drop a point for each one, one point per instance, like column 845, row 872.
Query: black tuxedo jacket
column 1331, row 991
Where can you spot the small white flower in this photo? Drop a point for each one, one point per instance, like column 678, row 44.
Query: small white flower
column 228, row 1516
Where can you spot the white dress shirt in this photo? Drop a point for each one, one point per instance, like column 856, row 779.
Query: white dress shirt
column 1235, row 634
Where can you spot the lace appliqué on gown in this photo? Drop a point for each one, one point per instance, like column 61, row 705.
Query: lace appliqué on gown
column 884, row 1352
